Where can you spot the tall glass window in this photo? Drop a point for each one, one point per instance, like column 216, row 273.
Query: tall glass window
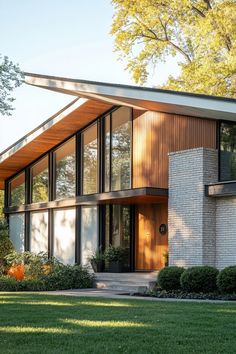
column 17, row 231
column 121, row 149
column 118, row 229
column 17, row 190
column 227, row 151
column 107, row 153
column 39, row 178
column 89, row 232
column 65, row 170
column 39, row 231
column 64, row 235
column 90, row 160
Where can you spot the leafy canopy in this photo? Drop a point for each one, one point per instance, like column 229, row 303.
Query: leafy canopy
column 10, row 78
column 201, row 32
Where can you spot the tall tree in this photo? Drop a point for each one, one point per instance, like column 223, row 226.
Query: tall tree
column 201, row 32
column 10, row 78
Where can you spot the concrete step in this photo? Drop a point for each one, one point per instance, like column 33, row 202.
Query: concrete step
column 127, row 282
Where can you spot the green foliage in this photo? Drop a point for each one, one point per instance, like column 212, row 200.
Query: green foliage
column 68, row 277
column 5, row 243
column 199, row 279
column 1, row 204
column 42, row 273
column 114, row 254
column 226, row 280
column 169, row 278
column 201, row 34
column 10, row 78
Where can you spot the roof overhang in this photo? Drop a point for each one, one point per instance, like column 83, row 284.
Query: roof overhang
column 139, row 97
column 60, row 126
column 221, row 189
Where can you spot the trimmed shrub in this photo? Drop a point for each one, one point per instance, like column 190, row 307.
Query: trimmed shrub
column 8, row 283
column 199, row 279
column 68, row 277
column 226, row 280
column 169, row 278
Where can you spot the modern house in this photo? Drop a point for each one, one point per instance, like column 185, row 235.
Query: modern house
column 149, row 170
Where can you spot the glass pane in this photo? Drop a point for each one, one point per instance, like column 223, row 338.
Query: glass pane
column 17, row 190
column 89, row 232
column 17, row 231
column 121, row 149
column 90, row 160
column 227, row 152
column 39, row 173
column 65, row 170
column 107, row 154
column 64, row 235
column 39, row 232
column 121, row 230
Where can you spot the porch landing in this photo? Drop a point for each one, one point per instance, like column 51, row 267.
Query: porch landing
column 127, row 282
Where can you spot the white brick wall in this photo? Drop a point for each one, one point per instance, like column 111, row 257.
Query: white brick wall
column 191, row 215
column 225, row 232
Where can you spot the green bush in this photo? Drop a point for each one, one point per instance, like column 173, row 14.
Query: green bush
column 8, row 284
column 199, row 279
column 169, row 278
column 226, row 280
column 68, row 277
column 5, row 244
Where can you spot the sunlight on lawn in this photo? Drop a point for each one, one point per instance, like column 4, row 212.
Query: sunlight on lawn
column 52, row 303
column 17, row 329
column 105, row 304
column 117, row 324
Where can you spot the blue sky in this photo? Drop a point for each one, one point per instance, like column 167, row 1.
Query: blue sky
column 63, row 38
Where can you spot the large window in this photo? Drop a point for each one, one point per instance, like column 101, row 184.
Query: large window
column 90, row 160
column 39, row 179
column 118, row 229
column 17, row 190
column 89, row 232
column 39, row 231
column 227, row 151
column 64, row 235
column 117, row 151
column 17, row 231
column 65, row 180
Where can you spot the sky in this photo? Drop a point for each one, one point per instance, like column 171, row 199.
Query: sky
column 62, row 38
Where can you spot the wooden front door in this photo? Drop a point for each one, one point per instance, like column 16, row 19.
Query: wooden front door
column 150, row 244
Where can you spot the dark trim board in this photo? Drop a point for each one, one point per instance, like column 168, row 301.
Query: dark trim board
column 129, row 196
column 222, row 189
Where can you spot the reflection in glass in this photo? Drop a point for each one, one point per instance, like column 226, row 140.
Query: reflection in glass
column 107, row 154
column 65, row 170
column 89, row 232
column 39, row 175
column 64, row 235
column 119, row 220
column 17, row 190
column 227, row 152
column 39, row 231
column 90, row 160
column 121, row 149
column 17, row 231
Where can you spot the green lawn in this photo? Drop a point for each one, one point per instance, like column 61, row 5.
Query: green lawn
column 58, row 324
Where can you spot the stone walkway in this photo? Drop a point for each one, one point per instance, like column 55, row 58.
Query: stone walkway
column 114, row 294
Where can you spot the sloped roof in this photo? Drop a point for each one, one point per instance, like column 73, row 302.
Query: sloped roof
column 93, row 99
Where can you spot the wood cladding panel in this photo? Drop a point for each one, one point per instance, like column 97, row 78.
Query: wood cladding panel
column 150, row 245
column 156, row 134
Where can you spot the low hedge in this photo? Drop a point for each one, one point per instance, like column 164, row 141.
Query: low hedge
column 226, row 280
column 61, row 278
column 169, row 278
column 199, row 279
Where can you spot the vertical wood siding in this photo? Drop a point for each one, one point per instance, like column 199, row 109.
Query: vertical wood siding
column 156, row 134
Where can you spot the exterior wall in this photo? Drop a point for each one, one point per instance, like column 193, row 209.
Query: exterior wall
column 226, row 232
column 191, row 215
column 156, row 134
